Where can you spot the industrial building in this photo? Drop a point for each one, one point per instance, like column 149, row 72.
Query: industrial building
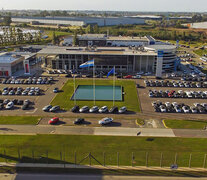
column 79, row 21
column 125, row 59
column 102, row 40
column 16, row 63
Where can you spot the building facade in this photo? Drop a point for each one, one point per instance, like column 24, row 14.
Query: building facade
column 125, row 59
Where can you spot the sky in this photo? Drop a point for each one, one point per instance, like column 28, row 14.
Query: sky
column 114, row 5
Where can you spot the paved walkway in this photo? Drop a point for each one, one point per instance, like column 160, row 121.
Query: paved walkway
column 105, row 131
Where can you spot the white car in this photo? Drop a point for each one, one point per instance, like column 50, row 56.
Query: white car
column 84, row 109
column 94, row 109
column 151, row 94
column 193, row 110
column 137, row 77
column 10, row 105
column 122, row 110
column 174, row 104
column 163, row 109
column 186, row 109
column 177, row 109
column 106, row 120
column 103, row 109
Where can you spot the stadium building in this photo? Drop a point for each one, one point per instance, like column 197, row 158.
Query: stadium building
column 125, row 59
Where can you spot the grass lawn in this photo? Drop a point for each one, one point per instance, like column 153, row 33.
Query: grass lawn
column 63, row 147
column 201, row 52
column 130, row 98
column 19, row 119
column 185, row 124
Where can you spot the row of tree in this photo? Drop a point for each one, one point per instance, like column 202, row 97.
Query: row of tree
column 13, row 36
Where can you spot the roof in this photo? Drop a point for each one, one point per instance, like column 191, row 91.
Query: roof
column 92, row 36
column 127, row 38
column 161, row 47
column 51, row 50
column 8, row 58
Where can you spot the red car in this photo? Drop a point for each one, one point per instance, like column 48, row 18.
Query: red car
column 128, row 77
column 53, row 120
column 171, row 93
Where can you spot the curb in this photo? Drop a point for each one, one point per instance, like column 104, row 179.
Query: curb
column 163, row 122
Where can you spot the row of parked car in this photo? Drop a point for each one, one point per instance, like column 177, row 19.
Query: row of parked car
column 33, row 91
column 30, row 80
column 104, row 121
column 181, row 84
column 175, row 107
column 96, row 109
column 193, row 78
column 10, row 104
column 178, row 94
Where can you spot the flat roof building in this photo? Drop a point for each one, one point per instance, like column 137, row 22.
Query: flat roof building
column 125, row 59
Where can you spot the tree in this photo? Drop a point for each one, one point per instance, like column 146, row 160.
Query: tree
column 89, row 29
column 75, row 39
column 54, row 38
column 7, row 21
column 96, row 29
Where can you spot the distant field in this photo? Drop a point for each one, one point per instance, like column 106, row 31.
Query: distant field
column 19, row 120
column 130, row 97
column 60, row 148
column 201, row 52
column 185, row 124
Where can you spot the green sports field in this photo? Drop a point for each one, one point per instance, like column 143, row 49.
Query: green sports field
column 63, row 99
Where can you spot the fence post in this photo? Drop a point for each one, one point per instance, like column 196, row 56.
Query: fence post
column 190, row 158
column 175, row 158
column 104, row 158
column 75, row 157
column 33, row 155
column 19, row 156
column 146, row 159
column 5, row 156
column 47, row 156
column 90, row 158
column 132, row 158
column 204, row 161
column 161, row 158
column 64, row 157
column 60, row 155
column 118, row 159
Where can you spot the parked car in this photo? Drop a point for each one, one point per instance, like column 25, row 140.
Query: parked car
column 54, row 120
column 10, row 105
column 55, row 90
column 84, row 109
column 94, row 109
column 75, row 109
column 106, row 120
column 55, row 108
column 122, row 110
column 114, row 109
column 79, row 121
column 103, row 109
column 128, row 77
column 47, row 108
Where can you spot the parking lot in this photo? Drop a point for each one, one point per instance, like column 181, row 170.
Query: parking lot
column 146, row 101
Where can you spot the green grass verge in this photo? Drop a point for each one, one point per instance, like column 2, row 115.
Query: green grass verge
column 61, row 148
column 28, row 120
column 185, row 124
column 130, row 98
column 200, row 52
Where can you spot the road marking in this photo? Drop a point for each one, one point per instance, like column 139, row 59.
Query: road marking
column 32, row 111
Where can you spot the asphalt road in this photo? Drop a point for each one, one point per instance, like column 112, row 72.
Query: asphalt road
column 86, row 177
column 105, row 131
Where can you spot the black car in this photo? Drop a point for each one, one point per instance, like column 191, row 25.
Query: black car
column 20, row 102
column 113, row 110
column 75, row 109
column 68, row 76
column 25, row 106
column 79, row 121
column 15, row 101
column 89, row 75
column 1, row 106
